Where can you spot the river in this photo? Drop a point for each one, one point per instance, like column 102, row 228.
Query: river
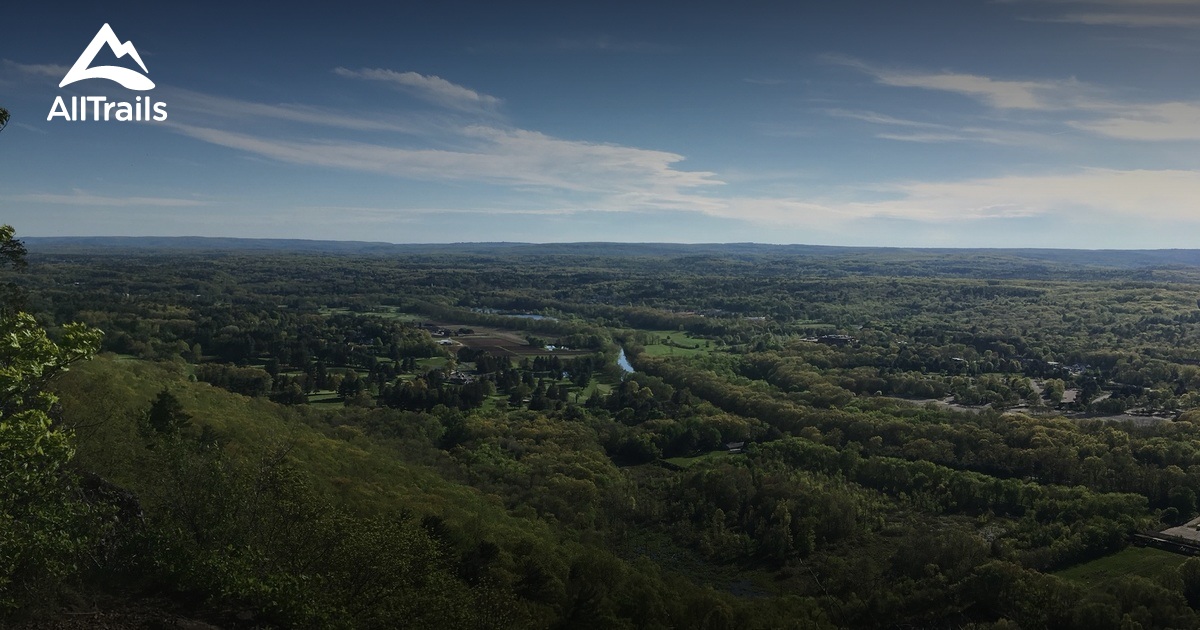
column 623, row 362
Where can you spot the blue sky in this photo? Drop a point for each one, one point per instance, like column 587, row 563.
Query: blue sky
column 1007, row 123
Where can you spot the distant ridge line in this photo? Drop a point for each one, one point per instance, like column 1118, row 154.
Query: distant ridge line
column 278, row 243
column 1109, row 258
column 737, row 257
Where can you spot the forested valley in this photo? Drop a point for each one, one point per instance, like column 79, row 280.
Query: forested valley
column 256, row 434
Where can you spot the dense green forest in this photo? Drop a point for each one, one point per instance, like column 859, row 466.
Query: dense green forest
column 288, row 434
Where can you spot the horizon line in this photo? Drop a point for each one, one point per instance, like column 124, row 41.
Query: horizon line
column 641, row 243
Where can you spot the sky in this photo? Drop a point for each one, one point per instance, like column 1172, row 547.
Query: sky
column 957, row 123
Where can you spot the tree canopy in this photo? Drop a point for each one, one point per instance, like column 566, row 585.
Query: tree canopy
column 38, row 516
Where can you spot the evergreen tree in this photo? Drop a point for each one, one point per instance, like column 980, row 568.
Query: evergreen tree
column 166, row 415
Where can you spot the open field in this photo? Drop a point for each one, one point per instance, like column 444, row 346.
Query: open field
column 324, row 397
column 678, row 343
column 498, row 341
column 502, row 345
column 386, row 312
column 596, row 385
column 1142, row 561
column 433, row 363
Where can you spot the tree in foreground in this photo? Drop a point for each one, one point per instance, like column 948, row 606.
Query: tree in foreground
column 42, row 524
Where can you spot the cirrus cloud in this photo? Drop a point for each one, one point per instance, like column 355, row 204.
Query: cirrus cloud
column 429, row 87
column 513, row 157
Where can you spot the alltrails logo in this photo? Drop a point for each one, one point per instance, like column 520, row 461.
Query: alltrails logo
column 100, row 108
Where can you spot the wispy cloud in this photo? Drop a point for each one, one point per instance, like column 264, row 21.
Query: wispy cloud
column 1133, row 195
column 1111, row 3
column 83, row 198
column 1133, row 20
column 1068, row 104
column 876, row 118
column 1122, row 13
column 512, row 157
column 906, row 130
column 472, row 146
column 541, row 174
column 969, row 134
column 370, row 214
column 1156, row 122
column 1001, row 94
column 210, row 105
column 1080, row 195
column 29, row 127
column 40, row 69
column 429, row 87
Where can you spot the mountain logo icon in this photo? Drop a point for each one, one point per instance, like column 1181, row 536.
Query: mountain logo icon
column 126, row 77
